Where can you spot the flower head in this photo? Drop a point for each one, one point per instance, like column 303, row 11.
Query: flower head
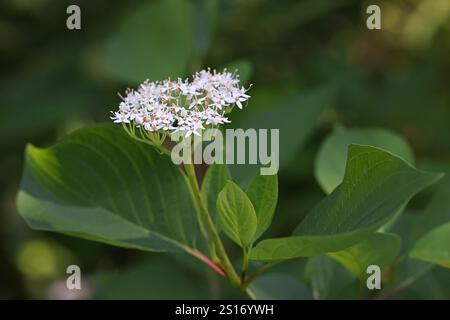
column 158, row 108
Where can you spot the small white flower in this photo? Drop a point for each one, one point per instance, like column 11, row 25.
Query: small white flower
column 182, row 105
column 119, row 117
column 220, row 102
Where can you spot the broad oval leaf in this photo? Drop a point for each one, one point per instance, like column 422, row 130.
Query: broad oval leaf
column 330, row 162
column 434, row 246
column 214, row 181
column 100, row 184
column 263, row 193
column 236, row 214
column 376, row 184
column 380, row 249
column 155, row 41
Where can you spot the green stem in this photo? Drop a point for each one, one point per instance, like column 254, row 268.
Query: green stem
column 210, row 244
column 149, row 140
column 225, row 262
column 245, row 253
column 209, row 225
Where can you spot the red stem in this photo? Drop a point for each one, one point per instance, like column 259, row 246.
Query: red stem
column 206, row 260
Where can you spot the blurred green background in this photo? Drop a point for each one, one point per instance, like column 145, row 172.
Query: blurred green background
column 314, row 66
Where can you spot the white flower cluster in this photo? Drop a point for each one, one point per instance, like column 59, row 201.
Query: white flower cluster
column 181, row 105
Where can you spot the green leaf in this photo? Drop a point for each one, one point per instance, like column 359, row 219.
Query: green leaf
column 413, row 226
column 263, row 193
column 408, row 270
column 214, row 181
column 434, row 246
column 376, row 184
column 100, row 184
column 156, row 278
column 436, row 213
column 379, row 248
column 330, row 161
column 236, row 214
column 328, row 279
column 155, row 41
column 278, row 286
